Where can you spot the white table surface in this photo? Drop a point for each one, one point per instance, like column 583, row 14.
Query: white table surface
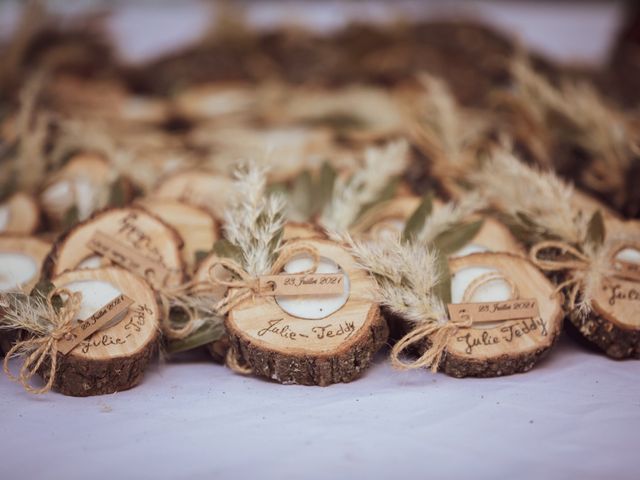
column 575, row 416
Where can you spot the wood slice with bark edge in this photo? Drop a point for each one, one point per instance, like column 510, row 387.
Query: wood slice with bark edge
column 115, row 358
column 161, row 241
column 34, row 248
column 613, row 325
column 318, row 358
column 293, row 230
column 23, row 214
column 216, row 101
column 201, row 188
column 196, row 226
column 512, row 353
column 86, row 167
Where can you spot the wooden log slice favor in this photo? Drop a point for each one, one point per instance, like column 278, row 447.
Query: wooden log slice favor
column 130, row 237
column 83, row 183
column 311, row 339
column 196, row 226
column 500, row 282
column 21, row 260
column 613, row 324
column 19, row 214
column 114, row 358
column 201, row 188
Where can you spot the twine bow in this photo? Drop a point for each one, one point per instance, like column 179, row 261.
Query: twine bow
column 439, row 329
column 578, row 265
column 42, row 348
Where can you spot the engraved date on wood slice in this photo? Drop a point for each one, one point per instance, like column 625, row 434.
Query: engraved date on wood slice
column 311, row 340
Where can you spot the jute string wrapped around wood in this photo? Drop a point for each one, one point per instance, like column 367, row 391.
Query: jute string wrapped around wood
column 440, row 329
column 39, row 349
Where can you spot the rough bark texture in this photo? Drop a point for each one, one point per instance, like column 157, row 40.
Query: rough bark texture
column 614, row 341
column 322, row 370
column 81, row 377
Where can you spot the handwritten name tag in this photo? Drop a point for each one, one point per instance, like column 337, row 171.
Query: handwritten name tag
column 302, row 284
column 627, row 270
column 128, row 258
column 486, row 312
column 108, row 315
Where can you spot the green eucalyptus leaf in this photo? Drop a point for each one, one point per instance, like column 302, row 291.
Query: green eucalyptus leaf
column 385, row 194
column 200, row 255
column 117, row 196
column 443, row 288
column 71, row 217
column 324, row 187
column 416, row 221
column 302, row 194
column 596, row 229
column 209, row 332
column 457, row 236
column 225, row 249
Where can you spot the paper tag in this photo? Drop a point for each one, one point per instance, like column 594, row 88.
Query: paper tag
column 302, row 284
column 85, row 328
column 627, row 270
column 487, row 312
column 128, row 258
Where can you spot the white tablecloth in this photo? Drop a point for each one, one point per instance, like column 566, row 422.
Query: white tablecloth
column 575, row 416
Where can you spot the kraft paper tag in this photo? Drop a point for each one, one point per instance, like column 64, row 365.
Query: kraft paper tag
column 487, row 312
column 302, row 284
column 627, row 270
column 85, row 328
column 128, row 258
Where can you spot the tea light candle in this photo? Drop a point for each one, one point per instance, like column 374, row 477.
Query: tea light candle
column 63, row 194
column 313, row 307
column 494, row 291
column 95, row 294
column 469, row 249
column 630, row 255
column 16, row 269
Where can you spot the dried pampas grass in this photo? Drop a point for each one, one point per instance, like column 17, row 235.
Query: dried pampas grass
column 452, row 213
column 254, row 221
column 406, row 274
column 538, row 201
column 351, row 195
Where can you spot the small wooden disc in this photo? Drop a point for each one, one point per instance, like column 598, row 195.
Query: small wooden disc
column 290, row 349
column 196, row 226
column 293, row 230
column 134, row 227
column 19, row 214
column 115, row 358
column 197, row 187
column 508, row 347
column 493, row 236
column 613, row 325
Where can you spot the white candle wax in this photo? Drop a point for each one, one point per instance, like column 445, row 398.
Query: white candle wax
column 630, row 255
column 94, row 261
column 493, row 291
column 313, row 307
column 5, row 213
column 16, row 269
column 61, row 195
column 469, row 249
column 95, row 294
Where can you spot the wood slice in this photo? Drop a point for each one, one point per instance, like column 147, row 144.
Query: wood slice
column 83, row 182
column 289, row 349
column 502, row 348
column 21, row 261
column 389, row 215
column 134, row 227
column 196, row 226
column 293, row 230
column 494, row 236
column 613, row 325
column 216, row 101
column 19, row 214
column 201, row 188
column 115, row 358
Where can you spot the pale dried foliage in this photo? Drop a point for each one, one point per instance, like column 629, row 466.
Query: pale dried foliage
column 30, row 314
column 444, row 132
column 450, row 214
column 253, row 220
column 405, row 273
column 364, row 187
column 578, row 114
column 518, row 189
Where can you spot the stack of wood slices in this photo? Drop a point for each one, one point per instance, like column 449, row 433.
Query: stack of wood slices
column 300, row 215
